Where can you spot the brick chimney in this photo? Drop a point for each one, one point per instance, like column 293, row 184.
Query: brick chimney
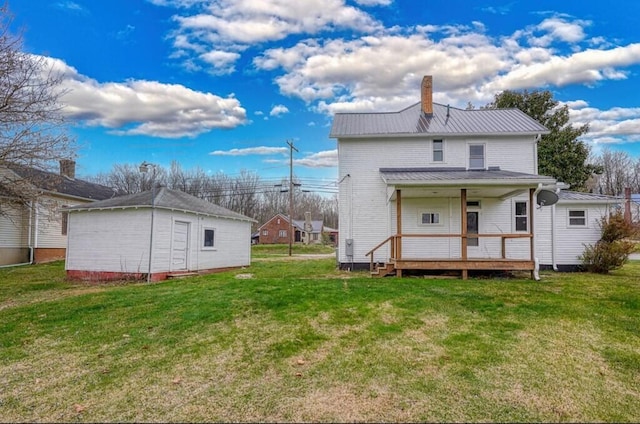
column 427, row 95
column 68, row 168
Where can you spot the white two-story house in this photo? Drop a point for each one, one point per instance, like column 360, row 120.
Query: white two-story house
column 433, row 187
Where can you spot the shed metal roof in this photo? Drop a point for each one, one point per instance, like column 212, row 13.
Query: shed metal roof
column 164, row 199
column 575, row 196
column 445, row 121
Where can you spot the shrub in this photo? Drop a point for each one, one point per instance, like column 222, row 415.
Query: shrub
column 613, row 249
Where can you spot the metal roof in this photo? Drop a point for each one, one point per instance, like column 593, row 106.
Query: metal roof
column 455, row 175
column 445, row 121
column 164, row 199
column 575, row 196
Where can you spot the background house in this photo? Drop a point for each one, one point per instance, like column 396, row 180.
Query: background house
column 154, row 234
column 37, row 232
column 276, row 230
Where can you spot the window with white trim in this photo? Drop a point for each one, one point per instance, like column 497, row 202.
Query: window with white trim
column 521, row 216
column 476, row 156
column 430, row 218
column 438, row 150
column 577, row 217
column 265, row 232
column 209, row 237
column 282, row 233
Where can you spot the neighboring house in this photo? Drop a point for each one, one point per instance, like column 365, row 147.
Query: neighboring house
column 276, row 230
column 331, row 235
column 154, row 234
column 433, row 187
column 37, row 232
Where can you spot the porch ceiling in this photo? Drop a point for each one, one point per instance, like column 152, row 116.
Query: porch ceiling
column 472, row 192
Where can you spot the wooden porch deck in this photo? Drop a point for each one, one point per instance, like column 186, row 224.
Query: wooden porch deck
column 396, row 266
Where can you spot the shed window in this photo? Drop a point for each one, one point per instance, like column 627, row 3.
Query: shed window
column 438, row 150
column 208, row 237
column 578, row 218
column 476, row 156
column 521, row 215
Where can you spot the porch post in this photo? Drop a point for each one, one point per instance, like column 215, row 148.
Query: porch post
column 531, row 232
column 398, row 239
column 463, row 229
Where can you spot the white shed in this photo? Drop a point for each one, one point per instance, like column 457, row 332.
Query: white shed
column 154, row 234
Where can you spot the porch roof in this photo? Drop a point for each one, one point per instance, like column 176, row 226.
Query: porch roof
column 446, row 182
column 460, row 176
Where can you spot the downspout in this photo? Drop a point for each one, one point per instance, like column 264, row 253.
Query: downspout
column 553, row 237
column 536, row 269
column 30, row 243
column 35, row 231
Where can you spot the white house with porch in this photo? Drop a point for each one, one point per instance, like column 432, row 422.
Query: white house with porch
column 433, row 187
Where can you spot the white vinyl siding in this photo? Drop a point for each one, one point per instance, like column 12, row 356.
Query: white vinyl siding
column 123, row 237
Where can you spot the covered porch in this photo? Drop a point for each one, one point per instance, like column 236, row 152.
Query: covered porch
column 463, row 245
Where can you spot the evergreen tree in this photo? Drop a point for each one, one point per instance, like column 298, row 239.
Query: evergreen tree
column 560, row 153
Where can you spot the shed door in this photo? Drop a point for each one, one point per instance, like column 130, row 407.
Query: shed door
column 179, row 246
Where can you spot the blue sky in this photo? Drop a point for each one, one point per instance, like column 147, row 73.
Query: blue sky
column 223, row 84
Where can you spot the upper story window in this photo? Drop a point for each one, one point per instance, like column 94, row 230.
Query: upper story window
column 438, row 151
column 476, row 156
column 577, row 218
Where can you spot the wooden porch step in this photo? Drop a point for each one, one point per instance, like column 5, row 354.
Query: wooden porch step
column 384, row 270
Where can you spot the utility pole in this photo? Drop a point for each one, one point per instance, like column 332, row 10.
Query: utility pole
column 291, row 149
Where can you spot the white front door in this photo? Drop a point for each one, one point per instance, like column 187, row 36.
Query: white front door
column 179, row 246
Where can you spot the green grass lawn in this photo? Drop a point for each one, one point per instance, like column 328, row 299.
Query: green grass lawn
column 300, row 341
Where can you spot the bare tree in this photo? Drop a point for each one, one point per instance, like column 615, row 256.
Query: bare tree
column 617, row 172
column 128, row 179
column 32, row 126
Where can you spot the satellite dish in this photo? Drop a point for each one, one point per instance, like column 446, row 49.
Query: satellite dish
column 547, row 198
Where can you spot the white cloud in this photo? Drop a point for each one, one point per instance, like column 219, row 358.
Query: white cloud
column 139, row 107
column 615, row 125
column 234, row 25
column 557, row 28
column 222, row 62
column 383, row 72
column 374, row 2
column 262, row 150
column 324, row 159
column 279, row 110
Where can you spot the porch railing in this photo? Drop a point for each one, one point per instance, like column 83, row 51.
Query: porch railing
column 396, row 244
